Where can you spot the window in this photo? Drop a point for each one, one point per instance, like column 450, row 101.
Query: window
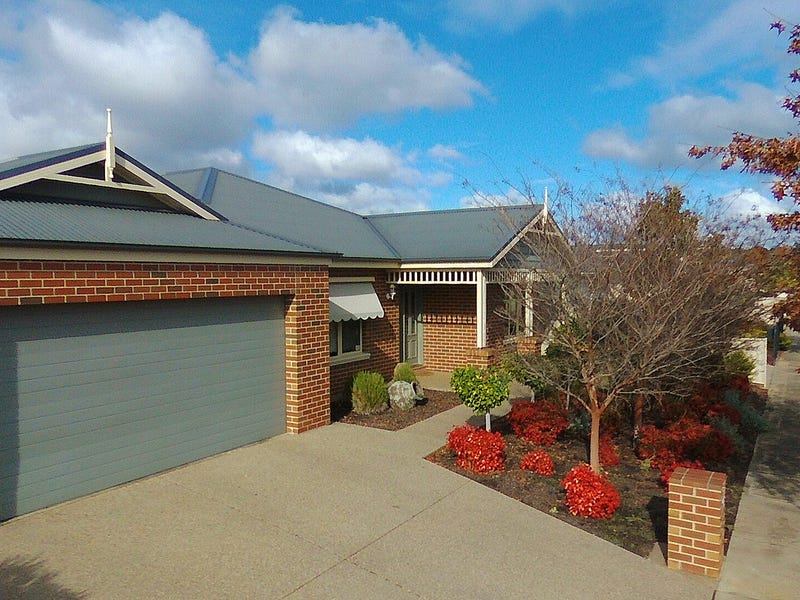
column 345, row 337
column 515, row 317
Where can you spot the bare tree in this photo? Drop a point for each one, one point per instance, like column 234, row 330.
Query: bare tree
column 632, row 294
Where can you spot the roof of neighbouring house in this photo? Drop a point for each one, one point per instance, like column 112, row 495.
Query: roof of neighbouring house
column 458, row 235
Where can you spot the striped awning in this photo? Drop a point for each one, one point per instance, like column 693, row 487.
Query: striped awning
column 354, row 301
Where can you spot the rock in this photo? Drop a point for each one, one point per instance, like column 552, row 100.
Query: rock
column 402, row 395
column 418, row 390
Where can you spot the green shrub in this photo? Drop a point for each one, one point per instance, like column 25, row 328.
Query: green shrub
column 369, row 393
column 515, row 366
column 723, row 425
column 404, row 372
column 784, row 341
column 480, row 389
column 752, row 422
column 739, row 362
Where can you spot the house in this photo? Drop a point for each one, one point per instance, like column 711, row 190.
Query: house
column 149, row 321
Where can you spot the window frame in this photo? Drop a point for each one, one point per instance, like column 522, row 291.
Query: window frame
column 353, row 355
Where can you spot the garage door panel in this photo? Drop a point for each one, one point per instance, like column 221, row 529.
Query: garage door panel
column 134, row 450
column 47, row 441
column 97, row 395
column 75, row 394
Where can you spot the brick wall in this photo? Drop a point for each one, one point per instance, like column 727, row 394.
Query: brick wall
column 305, row 289
column 696, row 525
column 380, row 338
column 450, row 326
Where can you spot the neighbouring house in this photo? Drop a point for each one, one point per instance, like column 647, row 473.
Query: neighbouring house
column 149, row 320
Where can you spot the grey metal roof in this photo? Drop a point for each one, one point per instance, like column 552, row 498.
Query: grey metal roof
column 54, row 222
column 278, row 212
column 22, row 164
column 470, row 234
column 475, row 234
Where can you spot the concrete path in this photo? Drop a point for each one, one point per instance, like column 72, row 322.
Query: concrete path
column 763, row 561
column 340, row 512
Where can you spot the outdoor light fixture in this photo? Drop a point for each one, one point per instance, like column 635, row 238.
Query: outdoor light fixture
column 391, row 293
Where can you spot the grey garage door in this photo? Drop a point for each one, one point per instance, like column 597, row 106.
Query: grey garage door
column 95, row 395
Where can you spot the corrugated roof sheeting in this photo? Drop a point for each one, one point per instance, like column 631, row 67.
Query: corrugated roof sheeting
column 454, row 235
column 295, row 217
column 70, row 223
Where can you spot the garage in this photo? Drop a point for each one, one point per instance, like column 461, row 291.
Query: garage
column 94, row 395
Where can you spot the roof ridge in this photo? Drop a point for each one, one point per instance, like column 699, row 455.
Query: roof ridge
column 279, row 237
column 381, row 237
column 452, row 210
column 273, row 187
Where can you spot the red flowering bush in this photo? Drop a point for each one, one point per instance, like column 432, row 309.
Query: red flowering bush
column 609, row 455
column 538, row 422
column 476, row 449
column 538, row 461
column 590, row 494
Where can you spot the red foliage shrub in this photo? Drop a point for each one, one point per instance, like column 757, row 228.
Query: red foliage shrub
column 686, row 439
column 538, row 461
column 538, row 422
column 609, row 456
column 668, row 469
column 590, row 494
column 720, row 409
column 739, row 382
column 476, row 449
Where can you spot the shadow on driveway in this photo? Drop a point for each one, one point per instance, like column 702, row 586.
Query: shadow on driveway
column 28, row 579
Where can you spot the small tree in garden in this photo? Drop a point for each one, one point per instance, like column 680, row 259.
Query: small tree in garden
column 480, row 389
column 778, row 157
column 635, row 294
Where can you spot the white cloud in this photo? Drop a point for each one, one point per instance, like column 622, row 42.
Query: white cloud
column 445, row 153
column 298, row 154
column 735, row 33
column 366, row 198
column 749, row 202
column 676, row 124
column 479, row 199
column 317, row 75
column 172, row 98
column 177, row 104
column 506, row 15
column 364, row 176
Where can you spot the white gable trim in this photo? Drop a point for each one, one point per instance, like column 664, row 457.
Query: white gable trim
column 540, row 217
column 149, row 184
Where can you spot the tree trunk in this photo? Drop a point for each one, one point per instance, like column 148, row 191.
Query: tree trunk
column 594, row 440
column 488, row 421
column 638, row 409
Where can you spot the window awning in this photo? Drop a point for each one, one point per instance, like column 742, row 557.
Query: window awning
column 353, row 301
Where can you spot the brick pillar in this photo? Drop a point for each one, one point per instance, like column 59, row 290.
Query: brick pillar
column 696, row 530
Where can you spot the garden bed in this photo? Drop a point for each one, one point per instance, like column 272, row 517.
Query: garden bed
column 393, row 419
column 638, row 525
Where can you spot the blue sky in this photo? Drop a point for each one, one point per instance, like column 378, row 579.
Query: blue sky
column 391, row 106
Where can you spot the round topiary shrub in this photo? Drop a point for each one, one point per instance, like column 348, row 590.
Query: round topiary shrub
column 590, row 494
column 538, row 461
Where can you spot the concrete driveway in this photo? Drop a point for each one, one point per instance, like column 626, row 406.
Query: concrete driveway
column 339, row 512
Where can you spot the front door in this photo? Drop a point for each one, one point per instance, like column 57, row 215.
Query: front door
column 411, row 315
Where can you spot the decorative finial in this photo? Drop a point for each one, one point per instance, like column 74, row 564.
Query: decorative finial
column 110, row 152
